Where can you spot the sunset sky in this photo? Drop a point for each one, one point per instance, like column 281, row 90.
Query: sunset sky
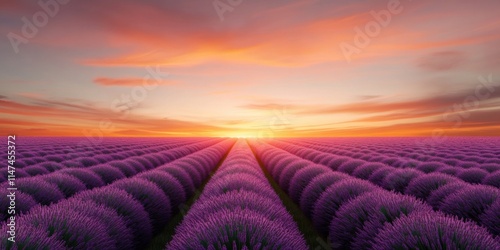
column 250, row 68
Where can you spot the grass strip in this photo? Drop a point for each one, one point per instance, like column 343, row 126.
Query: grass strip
column 165, row 236
column 313, row 238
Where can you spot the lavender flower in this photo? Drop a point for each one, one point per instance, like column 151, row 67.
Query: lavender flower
column 334, row 197
column 433, row 231
column 236, row 229
column 87, row 177
column 421, row 187
column 302, row 178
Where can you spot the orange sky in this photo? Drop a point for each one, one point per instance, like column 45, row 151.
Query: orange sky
column 256, row 69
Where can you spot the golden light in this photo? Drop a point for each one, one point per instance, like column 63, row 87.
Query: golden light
column 240, row 135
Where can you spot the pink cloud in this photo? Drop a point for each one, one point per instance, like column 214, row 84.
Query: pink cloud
column 128, row 82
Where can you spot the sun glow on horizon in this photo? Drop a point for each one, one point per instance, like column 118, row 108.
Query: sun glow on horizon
column 242, row 136
column 152, row 70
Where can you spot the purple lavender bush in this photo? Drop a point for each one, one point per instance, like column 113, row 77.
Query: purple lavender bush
column 336, row 162
column 431, row 166
column 389, row 209
column 76, row 230
column 195, row 174
column 29, row 237
column 302, row 178
column 316, row 187
column 237, row 229
column 366, row 170
column 51, row 166
column 493, row 179
column 449, row 170
column 87, row 161
column 399, row 179
column 182, row 176
column 170, row 186
column 350, row 166
column 334, row 197
column 152, row 198
column 437, row 196
column 433, row 231
column 281, row 165
column 378, row 176
column 136, row 165
column 472, row 175
column 35, row 170
column 470, row 202
column 124, row 167
column 232, row 200
column 42, row 191
column 108, row 173
column 67, row 184
column 20, row 173
column 358, row 221
column 115, row 225
column 421, row 187
column 490, row 167
column 491, row 218
column 24, row 203
column 134, row 214
column 240, row 181
column 86, row 176
column 289, row 171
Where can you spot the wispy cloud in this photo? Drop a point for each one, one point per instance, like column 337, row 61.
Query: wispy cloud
column 79, row 117
column 268, row 106
column 442, row 61
column 436, row 103
column 31, row 95
column 128, row 82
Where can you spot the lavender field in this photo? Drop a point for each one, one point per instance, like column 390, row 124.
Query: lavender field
column 218, row 193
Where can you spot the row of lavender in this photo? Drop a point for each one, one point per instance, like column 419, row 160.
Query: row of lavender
column 42, row 160
column 487, row 174
column 357, row 214
column 238, row 209
column 53, row 187
column 73, row 146
column 474, row 149
column 33, row 150
column 122, row 215
column 481, row 152
column 451, row 195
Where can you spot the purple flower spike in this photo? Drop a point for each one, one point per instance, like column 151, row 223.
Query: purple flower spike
column 433, row 231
